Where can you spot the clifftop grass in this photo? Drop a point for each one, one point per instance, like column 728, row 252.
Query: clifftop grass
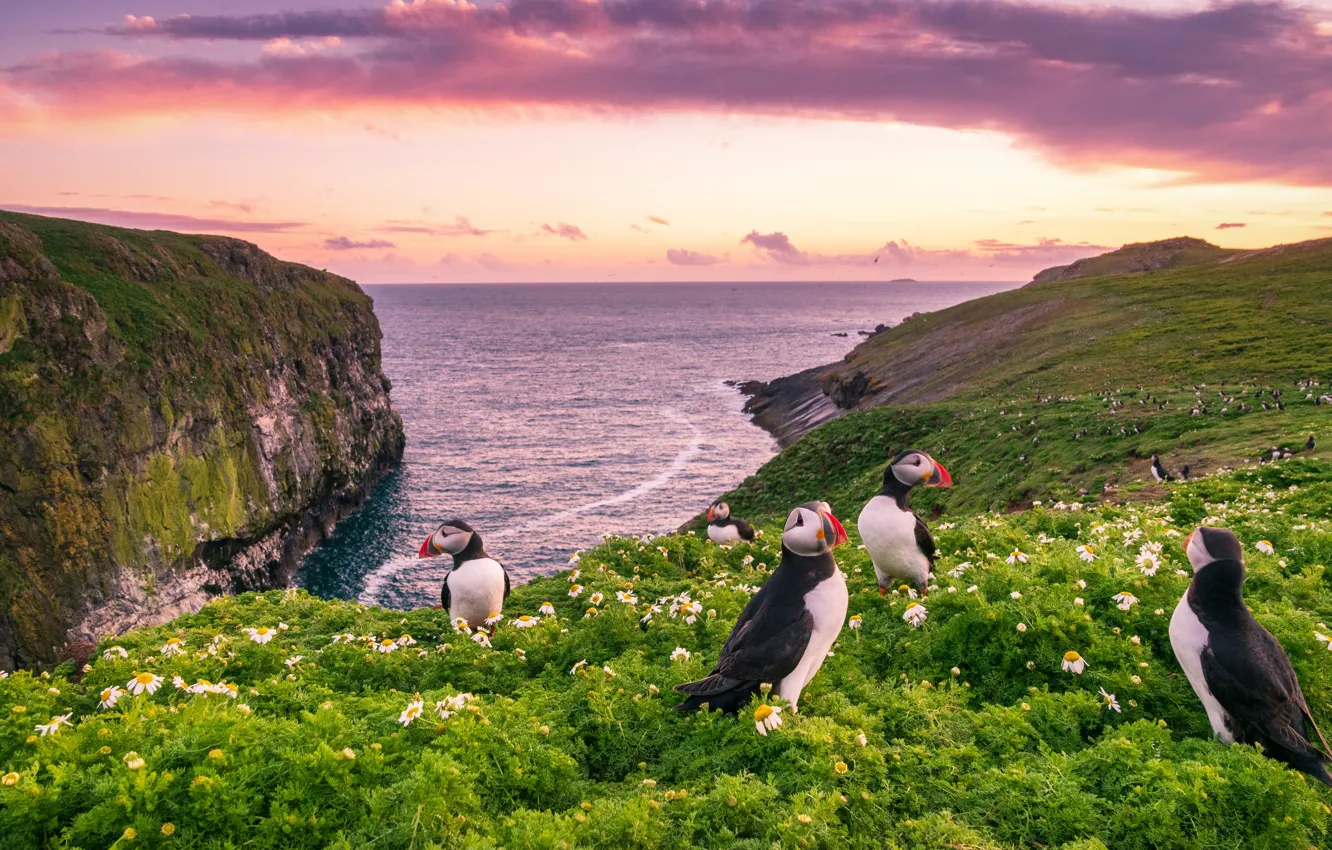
column 965, row 732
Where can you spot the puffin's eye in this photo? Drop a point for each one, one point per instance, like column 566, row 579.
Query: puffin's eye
column 800, row 519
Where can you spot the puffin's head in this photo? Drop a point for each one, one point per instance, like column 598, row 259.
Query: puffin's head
column 719, row 510
column 914, row 467
column 1205, row 545
column 1156, row 460
column 811, row 529
column 450, row 538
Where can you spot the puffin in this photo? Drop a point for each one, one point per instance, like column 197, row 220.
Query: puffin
column 1159, row 472
column 724, row 528
column 1310, row 444
column 897, row 540
column 475, row 589
column 785, row 632
column 1239, row 671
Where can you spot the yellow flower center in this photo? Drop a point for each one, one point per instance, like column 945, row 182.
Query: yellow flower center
column 1072, row 656
column 386, row 642
column 262, row 630
column 913, row 605
column 494, row 613
column 763, row 712
column 1088, row 548
column 168, row 829
column 173, row 641
column 144, row 678
column 106, row 695
column 525, row 618
column 904, row 587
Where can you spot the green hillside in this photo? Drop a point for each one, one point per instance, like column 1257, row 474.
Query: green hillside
column 963, row 733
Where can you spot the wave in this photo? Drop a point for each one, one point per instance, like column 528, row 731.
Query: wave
column 376, row 580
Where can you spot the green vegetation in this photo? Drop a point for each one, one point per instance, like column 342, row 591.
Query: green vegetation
column 135, row 371
column 965, row 732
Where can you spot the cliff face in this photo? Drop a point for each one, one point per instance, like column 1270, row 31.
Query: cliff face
column 180, row 417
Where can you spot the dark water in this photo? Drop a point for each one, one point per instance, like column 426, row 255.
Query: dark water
column 547, row 415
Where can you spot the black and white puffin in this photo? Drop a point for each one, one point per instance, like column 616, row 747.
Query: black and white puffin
column 1159, row 472
column 897, row 540
column 724, row 528
column 475, row 589
column 1310, row 444
column 784, row 633
column 1239, row 671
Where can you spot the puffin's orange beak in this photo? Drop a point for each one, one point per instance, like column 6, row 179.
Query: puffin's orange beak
column 1188, row 540
column 712, row 514
column 425, row 549
column 941, row 478
column 839, row 533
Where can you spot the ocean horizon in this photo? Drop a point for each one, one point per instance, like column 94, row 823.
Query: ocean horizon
column 547, row 415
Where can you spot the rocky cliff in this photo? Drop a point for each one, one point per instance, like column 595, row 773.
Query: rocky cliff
column 1138, row 257
column 180, row 417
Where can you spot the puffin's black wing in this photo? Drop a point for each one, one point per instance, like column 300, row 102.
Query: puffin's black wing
column 925, row 540
column 1258, row 688
column 506, row 579
column 765, row 646
column 444, row 590
column 746, row 530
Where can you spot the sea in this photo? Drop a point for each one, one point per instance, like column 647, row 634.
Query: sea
column 549, row 415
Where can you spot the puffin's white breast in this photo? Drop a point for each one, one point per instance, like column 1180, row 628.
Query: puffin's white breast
column 724, row 533
column 476, row 590
column 889, row 534
column 826, row 604
column 1188, row 637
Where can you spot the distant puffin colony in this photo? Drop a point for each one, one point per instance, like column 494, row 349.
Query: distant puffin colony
column 1238, row 670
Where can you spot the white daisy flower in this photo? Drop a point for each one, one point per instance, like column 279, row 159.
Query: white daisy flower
column 1022, row 627
column 1078, row 601
column 915, row 614
column 494, row 618
column 1126, row 600
column 144, row 682
column 115, row 652
column 591, row 612
column 596, row 598
column 1110, row 701
column 665, row 553
column 691, row 610
column 1015, row 595
column 53, row 727
column 1082, row 583
column 861, row 740
column 853, row 622
column 110, row 696
column 406, row 640
column 579, row 666
column 460, row 626
column 747, row 560
column 226, row 690
column 411, row 712
column 1149, row 563
column 546, row 610
column 385, row 646
column 972, row 589
column 524, row 621
column 766, row 718
column 1086, row 553
column 680, row 653
column 908, row 590
column 1016, row 556
column 282, row 627
column 605, row 668
column 293, row 661
column 575, row 590
column 956, row 572
column 627, row 597
column 263, row 634
column 482, row 639
column 1265, row 547
column 647, row 618
column 1074, row 663
column 172, row 648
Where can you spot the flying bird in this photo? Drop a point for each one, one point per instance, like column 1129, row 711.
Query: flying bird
column 898, row 541
column 475, row 589
column 784, row 633
column 724, row 528
column 1239, row 671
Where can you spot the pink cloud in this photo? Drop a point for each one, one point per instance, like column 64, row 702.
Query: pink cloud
column 158, row 221
column 682, row 257
column 345, row 243
column 1227, row 225
column 565, row 231
column 1236, row 91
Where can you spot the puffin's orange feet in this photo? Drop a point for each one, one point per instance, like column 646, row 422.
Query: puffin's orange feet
column 883, row 591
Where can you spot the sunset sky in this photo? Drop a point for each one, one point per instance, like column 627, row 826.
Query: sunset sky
column 673, row 139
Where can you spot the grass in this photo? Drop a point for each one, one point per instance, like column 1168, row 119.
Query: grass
column 965, row 732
